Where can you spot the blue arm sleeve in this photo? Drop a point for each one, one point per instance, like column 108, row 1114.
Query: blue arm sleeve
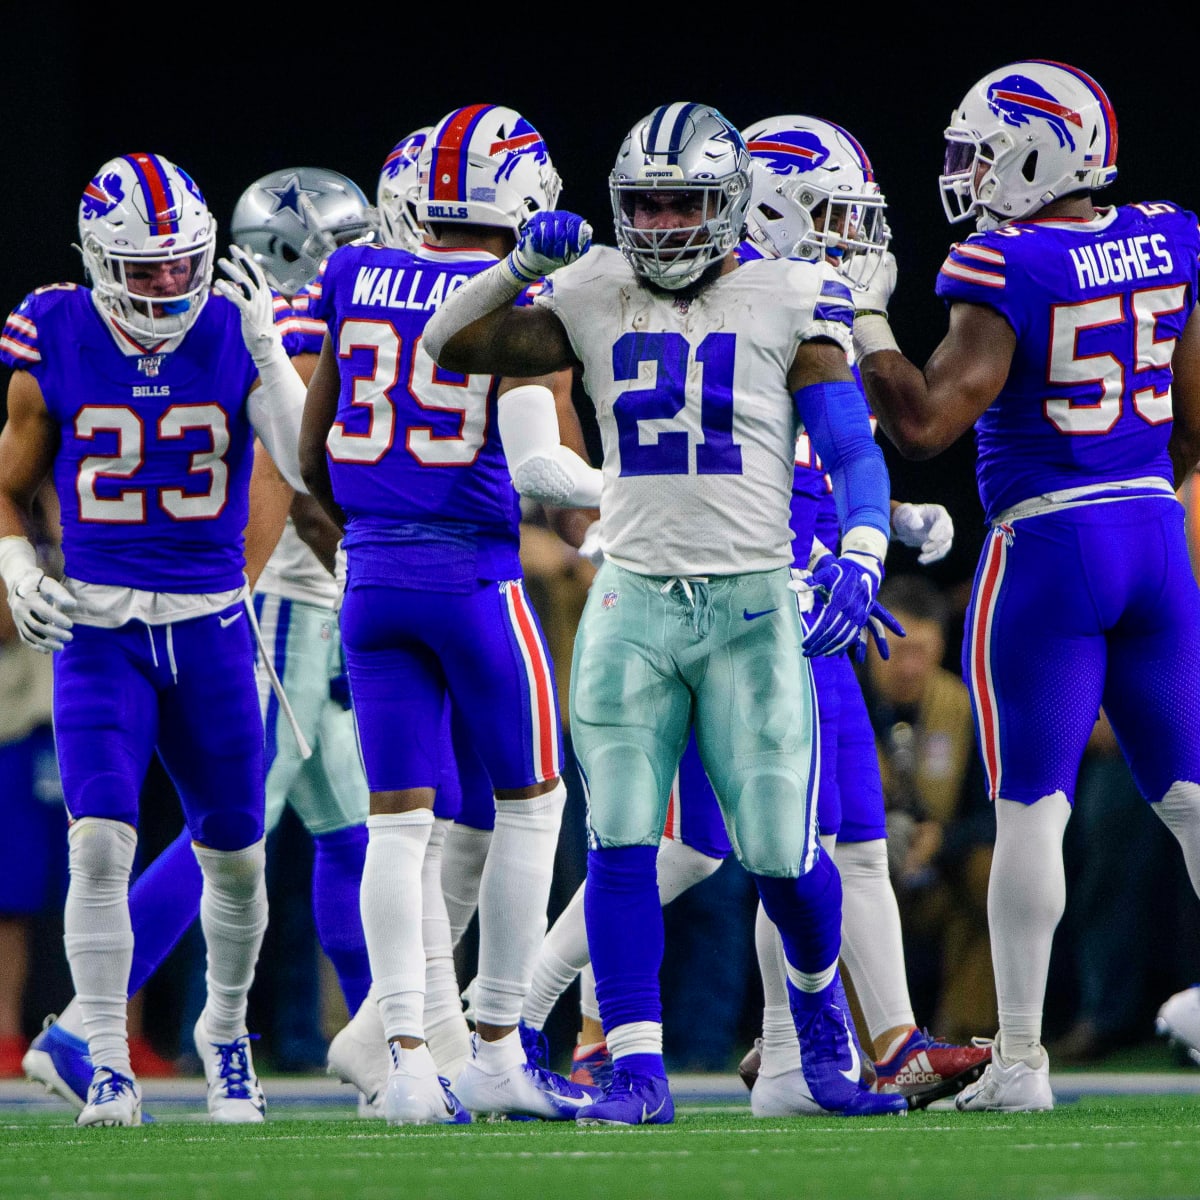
column 836, row 418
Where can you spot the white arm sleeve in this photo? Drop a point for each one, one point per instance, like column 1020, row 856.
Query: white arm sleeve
column 494, row 288
column 541, row 467
column 276, row 407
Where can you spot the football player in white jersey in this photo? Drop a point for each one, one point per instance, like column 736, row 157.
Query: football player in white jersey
column 702, row 372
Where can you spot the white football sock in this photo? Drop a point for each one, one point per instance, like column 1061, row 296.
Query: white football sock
column 463, row 858
column 446, row 1028
column 233, row 917
column 1027, row 893
column 589, row 1006
column 513, row 894
column 563, row 954
column 872, row 945
column 98, row 935
column 1179, row 811
column 390, row 901
column 780, row 1045
column 70, row 1020
column 681, row 867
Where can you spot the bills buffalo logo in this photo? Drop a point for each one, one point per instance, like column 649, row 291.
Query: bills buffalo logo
column 403, row 154
column 102, row 195
column 1017, row 99
column 522, row 139
column 790, row 152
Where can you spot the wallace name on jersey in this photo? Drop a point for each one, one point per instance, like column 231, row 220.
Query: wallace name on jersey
column 404, row 287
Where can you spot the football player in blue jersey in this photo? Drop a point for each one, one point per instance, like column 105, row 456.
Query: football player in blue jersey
column 116, row 393
column 703, row 371
column 1073, row 349
column 407, row 459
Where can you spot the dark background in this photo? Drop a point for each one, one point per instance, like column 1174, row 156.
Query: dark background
column 230, row 94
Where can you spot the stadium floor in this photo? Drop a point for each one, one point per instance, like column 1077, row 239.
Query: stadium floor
column 319, row 1093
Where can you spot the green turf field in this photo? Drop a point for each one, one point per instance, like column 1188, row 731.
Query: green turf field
column 1133, row 1146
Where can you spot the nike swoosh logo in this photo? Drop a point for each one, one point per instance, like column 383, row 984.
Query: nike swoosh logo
column 855, row 1073
column 227, row 621
column 649, row 1116
column 753, row 616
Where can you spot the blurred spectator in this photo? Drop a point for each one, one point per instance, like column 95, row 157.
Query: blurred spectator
column 940, row 824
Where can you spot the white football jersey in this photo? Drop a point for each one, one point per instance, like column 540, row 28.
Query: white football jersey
column 697, row 424
column 294, row 572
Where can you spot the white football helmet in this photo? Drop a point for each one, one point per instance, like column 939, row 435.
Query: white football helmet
column 485, row 165
column 141, row 211
column 397, row 192
column 291, row 220
column 814, row 195
column 686, row 147
column 1024, row 135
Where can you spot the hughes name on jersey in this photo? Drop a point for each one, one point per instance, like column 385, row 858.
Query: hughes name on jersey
column 1098, row 307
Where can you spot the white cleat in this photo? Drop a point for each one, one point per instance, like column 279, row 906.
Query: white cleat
column 1008, row 1087
column 785, row 1095
column 523, row 1090
column 234, row 1094
column 1178, row 1020
column 112, row 1099
column 416, row 1095
column 358, row 1055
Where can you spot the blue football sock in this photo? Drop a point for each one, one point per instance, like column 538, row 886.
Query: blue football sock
column 808, row 914
column 163, row 902
column 625, row 933
column 337, row 875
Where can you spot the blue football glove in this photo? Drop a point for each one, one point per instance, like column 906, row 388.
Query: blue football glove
column 847, row 587
column 548, row 241
column 878, row 623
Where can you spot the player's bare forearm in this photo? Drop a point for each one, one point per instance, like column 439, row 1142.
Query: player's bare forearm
column 899, row 398
column 509, row 341
column 317, row 530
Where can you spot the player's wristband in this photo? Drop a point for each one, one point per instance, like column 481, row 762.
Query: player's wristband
column 872, row 332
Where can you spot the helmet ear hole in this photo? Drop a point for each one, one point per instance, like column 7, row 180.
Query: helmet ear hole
column 1029, row 166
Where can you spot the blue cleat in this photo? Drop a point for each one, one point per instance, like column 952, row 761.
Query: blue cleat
column 833, row 1067
column 60, row 1062
column 537, row 1049
column 631, row 1100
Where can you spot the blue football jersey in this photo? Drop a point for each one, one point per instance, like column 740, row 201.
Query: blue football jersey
column 153, row 468
column 1097, row 307
column 414, row 456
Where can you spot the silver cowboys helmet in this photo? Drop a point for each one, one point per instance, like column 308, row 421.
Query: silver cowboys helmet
column 141, row 210
column 1023, row 136
column 291, row 220
column 485, row 164
column 814, row 196
column 397, row 192
column 686, row 147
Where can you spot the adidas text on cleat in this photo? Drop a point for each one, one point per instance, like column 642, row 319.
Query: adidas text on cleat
column 925, row 1070
column 112, row 1099
column 1178, row 1021
column 833, row 1067
column 234, row 1094
column 631, row 1100
column 523, row 1090
column 592, row 1065
column 415, row 1094
column 60, row 1062
column 1009, row 1087
column 358, row 1055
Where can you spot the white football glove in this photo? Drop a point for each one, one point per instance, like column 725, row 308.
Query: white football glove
column 874, row 298
column 590, row 547
column 247, row 287
column 924, row 526
column 548, row 241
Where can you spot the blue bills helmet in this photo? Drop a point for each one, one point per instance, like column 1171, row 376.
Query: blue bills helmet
column 687, row 147
column 395, row 197
column 291, row 220
column 1023, row 136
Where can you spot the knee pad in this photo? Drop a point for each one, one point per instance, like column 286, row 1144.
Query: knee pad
column 101, row 849
column 238, row 874
column 626, row 800
column 772, row 828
